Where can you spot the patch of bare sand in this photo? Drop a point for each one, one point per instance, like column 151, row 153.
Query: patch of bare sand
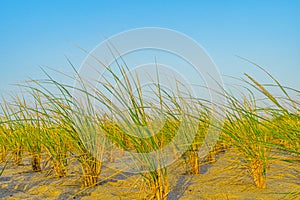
column 225, row 179
column 229, row 179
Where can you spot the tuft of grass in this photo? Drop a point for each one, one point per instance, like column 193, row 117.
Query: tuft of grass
column 245, row 130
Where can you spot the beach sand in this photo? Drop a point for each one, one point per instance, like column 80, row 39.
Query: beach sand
column 227, row 178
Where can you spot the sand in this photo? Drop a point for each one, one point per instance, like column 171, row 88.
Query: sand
column 227, row 178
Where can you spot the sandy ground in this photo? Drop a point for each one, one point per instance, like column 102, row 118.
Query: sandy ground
column 225, row 179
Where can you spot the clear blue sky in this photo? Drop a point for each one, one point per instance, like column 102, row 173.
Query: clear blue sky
column 37, row 33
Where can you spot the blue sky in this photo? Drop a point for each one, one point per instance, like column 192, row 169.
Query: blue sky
column 40, row 33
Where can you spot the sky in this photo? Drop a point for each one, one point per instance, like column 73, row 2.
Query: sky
column 43, row 33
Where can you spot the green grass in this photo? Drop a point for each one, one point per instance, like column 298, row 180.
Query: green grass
column 64, row 128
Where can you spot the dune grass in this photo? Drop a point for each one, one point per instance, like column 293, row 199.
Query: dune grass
column 64, row 128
